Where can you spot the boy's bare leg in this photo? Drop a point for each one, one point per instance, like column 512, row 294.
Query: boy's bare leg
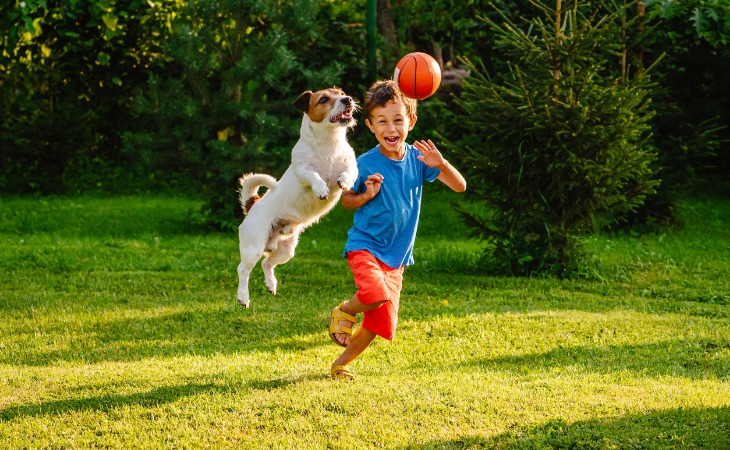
column 353, row 307
column 361, row 339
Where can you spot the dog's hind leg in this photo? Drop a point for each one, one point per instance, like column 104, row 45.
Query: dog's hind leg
column 283, row 253
column 251, row 249
column 243, row 295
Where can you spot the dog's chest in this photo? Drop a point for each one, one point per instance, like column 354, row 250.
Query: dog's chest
column 330, row 169
column 330, row 165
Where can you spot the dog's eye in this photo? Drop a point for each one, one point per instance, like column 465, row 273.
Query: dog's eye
column 324, row 99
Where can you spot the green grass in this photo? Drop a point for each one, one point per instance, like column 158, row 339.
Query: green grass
column 119, row 328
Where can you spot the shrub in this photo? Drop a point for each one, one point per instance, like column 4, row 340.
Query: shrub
column 560, row 142
column 223, row 105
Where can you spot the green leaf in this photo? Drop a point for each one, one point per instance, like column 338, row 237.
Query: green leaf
column 103, row 58
column 110, row 20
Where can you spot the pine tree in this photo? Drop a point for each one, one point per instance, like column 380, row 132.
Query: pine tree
column 560, row 140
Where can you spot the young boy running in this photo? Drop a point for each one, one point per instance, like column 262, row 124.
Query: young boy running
column 387, row 199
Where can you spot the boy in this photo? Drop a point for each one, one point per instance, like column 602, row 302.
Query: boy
column 387, row 199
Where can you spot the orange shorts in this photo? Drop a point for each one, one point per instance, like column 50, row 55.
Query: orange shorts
column 377, row 282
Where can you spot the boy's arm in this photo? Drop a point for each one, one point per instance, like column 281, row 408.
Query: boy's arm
column 432, row 157
column 354, row 199
column 451, row 177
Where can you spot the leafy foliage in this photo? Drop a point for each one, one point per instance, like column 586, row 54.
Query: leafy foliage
column 709, row 19
column 66, row 73
column 138, row 94
column 694, row 103
column 239, row 66
column 560, row 142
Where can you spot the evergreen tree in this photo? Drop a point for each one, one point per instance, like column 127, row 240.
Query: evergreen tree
column 561, row 139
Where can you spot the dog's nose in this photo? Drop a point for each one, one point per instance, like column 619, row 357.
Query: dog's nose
column 346, row 100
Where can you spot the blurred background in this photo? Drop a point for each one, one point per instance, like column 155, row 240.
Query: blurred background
column 184, row 96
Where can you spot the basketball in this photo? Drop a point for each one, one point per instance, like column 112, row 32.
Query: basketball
column 417, row 75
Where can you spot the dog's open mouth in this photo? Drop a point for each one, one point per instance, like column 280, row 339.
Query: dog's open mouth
column 344, row 117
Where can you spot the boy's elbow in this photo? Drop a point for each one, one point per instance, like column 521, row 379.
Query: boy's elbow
column 460, row 187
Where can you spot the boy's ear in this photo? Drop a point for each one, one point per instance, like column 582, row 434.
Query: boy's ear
column 369, row 124
column 412, row 123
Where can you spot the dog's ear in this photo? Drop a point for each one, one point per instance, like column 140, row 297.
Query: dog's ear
column 302, row 103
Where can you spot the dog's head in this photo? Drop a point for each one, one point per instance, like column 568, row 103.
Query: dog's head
column 330, row 106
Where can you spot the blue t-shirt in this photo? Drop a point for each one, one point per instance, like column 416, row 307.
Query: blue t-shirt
column 386, row 225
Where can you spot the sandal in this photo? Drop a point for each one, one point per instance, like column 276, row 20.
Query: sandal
column 341, row 373
column 335, row 327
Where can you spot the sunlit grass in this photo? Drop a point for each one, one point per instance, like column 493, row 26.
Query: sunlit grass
column 119, row 328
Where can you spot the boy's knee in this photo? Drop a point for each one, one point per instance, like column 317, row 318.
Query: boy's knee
column 377, row 304
column 373, row 295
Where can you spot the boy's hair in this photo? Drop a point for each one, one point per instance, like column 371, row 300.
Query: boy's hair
column 384, row 91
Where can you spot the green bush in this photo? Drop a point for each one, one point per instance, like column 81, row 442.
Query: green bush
column 223, row 105
column 67, row 71
column 559, row 143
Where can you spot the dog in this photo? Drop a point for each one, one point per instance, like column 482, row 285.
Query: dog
column 322, row 166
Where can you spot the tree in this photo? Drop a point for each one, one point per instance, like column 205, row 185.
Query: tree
column 560, row 143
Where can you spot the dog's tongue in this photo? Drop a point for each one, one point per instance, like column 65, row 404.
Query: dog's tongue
column 345, row 115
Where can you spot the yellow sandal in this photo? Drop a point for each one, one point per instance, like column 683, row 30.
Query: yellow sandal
column 335, row 327
column 341, row 373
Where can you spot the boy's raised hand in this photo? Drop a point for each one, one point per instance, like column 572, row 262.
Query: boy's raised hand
column 430, row 155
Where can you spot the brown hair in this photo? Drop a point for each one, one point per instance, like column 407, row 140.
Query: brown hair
column 384, row 91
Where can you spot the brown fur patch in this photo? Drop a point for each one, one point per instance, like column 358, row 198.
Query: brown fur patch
column 249, row 203
column 322, row 102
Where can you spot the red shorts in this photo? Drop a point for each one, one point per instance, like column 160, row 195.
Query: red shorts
column 377, row 282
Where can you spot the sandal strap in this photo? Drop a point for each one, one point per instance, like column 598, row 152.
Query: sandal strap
column 342, row 372
column 335, row 327
column 339, row 314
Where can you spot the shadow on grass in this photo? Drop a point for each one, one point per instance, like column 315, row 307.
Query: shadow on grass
column 189, row 332
column 152, row 398
column 283, row 323
column 700, row 359
column 675, row 428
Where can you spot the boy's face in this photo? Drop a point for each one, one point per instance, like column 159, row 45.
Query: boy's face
column 390, row 124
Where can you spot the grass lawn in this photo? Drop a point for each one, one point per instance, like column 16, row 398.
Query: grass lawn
column 119, row 328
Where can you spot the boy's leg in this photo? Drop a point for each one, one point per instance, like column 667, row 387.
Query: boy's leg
column 361, row 339
column 353, row 307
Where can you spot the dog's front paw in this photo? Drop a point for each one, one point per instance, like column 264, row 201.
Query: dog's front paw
column 345, row 182
column 321, row 190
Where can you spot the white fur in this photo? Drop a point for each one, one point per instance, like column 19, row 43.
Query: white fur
column 322, row 165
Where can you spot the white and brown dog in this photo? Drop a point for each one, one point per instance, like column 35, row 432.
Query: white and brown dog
column 322, row 166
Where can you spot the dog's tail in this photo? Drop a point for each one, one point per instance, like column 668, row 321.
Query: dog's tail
column 250, row 184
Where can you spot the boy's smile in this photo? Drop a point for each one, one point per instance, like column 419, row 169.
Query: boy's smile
column 390, row 124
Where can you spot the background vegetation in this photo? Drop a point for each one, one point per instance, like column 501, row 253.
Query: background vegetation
column 173, row 95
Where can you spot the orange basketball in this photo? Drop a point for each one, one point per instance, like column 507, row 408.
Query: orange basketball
column 417, row 75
